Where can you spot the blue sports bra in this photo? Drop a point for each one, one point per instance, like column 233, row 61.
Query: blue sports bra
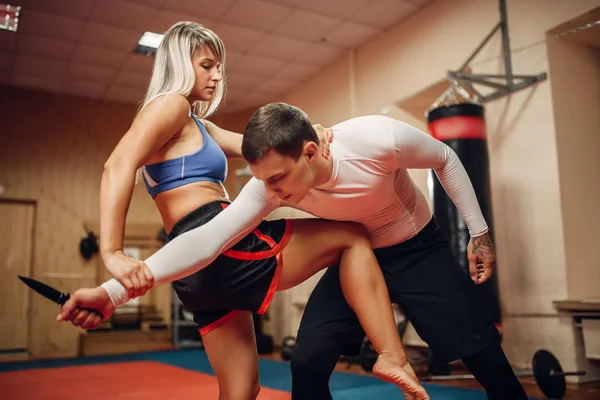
column 207, row 164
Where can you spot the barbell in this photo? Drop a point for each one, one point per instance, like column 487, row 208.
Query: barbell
column 547, row 372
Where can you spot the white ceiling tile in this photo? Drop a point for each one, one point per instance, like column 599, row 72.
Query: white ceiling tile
column 93, row 55
column 273, row 45
column 110, row 37
column 335, row 9
column 289, row 3
column 90, row 89
column 296, row 71
column 383, row 14
column 276, row 86
column 150, row 3
column 307, row 26
column 94, row 73
column 123, row 14
column 241, row 81
column 6, row 76
column 237, row 38
column 41, row 46
column 321, row 54
column 139, row 63
column 165, row 19
column 281, row 47
column 125, row 94
column 77, row 9
column 8, row 40
column 261, row 66
column 202, row 8
column 126, row 78
column 51, row 26
column 47, row 84
column 256, row 14
column 7, row 60
column 351, row 34
column 40, row 67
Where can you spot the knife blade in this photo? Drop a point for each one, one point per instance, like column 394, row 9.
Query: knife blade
column 50, row 293
column 47, row 291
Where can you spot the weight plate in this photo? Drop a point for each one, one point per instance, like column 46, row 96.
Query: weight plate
column 544, row 364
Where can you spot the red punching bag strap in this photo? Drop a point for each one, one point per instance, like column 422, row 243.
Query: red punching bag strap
column 459, row 121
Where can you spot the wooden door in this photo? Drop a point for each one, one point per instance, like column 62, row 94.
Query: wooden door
column 16, row 241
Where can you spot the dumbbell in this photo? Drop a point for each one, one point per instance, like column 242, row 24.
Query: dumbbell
column 547, row 372
column 288, row 346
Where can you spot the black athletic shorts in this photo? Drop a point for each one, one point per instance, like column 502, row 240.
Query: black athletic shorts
column 424, row 278
column 243, row 278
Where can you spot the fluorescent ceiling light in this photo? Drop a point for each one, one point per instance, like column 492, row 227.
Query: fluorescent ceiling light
column 149, row 42
column 151, row 39
column 9, row 17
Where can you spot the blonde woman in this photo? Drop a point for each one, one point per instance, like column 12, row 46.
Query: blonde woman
column 182, row 160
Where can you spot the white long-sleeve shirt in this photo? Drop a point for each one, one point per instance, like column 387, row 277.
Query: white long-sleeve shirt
column 369, row 185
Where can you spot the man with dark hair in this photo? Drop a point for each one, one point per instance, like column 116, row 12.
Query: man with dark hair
column 278, row 127
column 366, row 181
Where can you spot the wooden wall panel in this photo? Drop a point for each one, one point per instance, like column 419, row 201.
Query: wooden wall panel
column 52, row 150
column 17, row 220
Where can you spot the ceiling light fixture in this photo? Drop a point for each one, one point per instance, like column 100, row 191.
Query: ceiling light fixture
column 9, row 17
column 148, row 43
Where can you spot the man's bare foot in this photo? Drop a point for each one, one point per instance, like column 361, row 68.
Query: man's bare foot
column 390, row 370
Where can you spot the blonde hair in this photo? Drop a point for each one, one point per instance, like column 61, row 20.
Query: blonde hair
column 173, row 71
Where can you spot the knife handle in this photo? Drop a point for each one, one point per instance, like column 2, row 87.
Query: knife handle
column 65, row 297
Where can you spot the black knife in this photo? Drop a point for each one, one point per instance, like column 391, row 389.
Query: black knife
column 50, row 293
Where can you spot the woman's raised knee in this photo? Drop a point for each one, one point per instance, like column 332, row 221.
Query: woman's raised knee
column 355, row 235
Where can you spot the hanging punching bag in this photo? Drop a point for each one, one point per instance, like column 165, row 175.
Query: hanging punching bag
column 462, row 128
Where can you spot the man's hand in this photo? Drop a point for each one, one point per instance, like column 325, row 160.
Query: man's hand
column 96, row 299
column 133, row 274
column 325, row 138
column 482, row 258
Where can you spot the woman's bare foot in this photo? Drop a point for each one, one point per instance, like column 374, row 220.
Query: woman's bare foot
column 388, row 369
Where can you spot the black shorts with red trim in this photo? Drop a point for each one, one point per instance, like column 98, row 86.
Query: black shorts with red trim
column 245, row 277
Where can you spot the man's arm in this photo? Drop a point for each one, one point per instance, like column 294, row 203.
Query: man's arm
column 416, row 149
column 197, row 248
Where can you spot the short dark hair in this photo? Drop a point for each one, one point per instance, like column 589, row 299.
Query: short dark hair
column 279, row 127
